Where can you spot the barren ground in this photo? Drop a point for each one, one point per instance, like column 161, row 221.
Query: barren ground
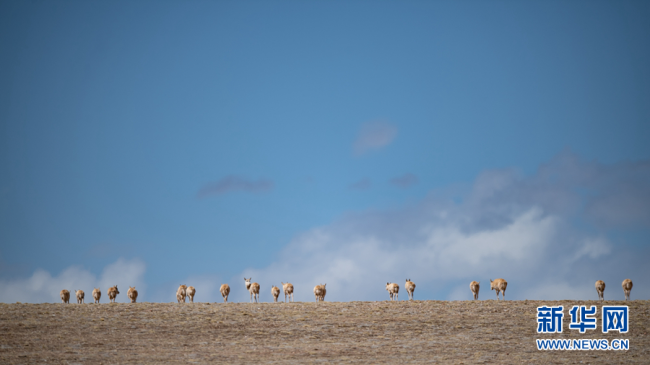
column 365, row 332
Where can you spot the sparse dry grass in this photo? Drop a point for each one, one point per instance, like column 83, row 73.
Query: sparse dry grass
column 365, row 332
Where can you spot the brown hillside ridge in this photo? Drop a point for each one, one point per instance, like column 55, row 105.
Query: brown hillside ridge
column 471, row 332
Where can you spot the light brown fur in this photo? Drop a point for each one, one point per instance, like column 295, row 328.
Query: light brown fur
column 253, row 289
column 181, row 294
column 627, row 288
column 190, row 291
column 96, row 295
column 65, row 296
column 132, row 294
column 225, row 291
column 80, row 296
column 475, row 286
column 410, row 288
column 112, row 293
column 600, row 289
column 288, row 291
column 276, row 293
column 319, row 292
column 499, row 285
column 393, row 291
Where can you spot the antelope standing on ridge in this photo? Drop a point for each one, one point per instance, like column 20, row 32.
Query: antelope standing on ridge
column 181, row 294
column 288, row 291
column 96, row 295
column 254, row 289
column 393, row 290
column 475, row 286
column 65, row 296
column 319, row 292
column 112, row 293
column 627, row 288
column 132, row 294
column 410, row 288
column 500, row 286
column 600, row 289
column 225, row 291
column 80, row 296
column 190, row 291
column 276, row 293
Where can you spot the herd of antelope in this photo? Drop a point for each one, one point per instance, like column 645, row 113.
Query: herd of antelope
column 184, row 291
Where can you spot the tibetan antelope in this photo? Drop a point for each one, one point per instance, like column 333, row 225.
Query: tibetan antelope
column 65, row 296
column 500, row 286
column 319, row 292
column 276, row 292
column 600, row 288
column 132, row 294
column 96, row 295
column 393, row 290
column 225, row 291
column 80, row 296
column 112, row 293
column 254, row 289
column 181, row 294
column 190, row 291
column 627, row 288
column 475, row 286
column 288, row 291
column 410, row 288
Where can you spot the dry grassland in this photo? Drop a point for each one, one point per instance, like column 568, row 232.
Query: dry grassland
column 363, row 332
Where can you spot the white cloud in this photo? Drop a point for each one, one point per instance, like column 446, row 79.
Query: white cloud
column 532, row 231
column 234, row 183
column 559, row 291
column 207, row 289
column 357, row 267
column 43, row 287
column 593, row 248
column 373, row 136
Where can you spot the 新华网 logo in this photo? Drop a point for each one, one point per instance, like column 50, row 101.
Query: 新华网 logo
column 584, row 321
column 549, row 319
column 615, row 318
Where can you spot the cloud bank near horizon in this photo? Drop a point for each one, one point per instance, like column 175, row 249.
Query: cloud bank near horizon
column 43, row 287
column 551, row 235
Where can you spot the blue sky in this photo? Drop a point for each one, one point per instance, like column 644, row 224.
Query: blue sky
column 162, row 143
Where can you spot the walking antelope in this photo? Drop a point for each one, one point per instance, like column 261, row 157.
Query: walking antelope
column 410, row 288
column 112, row 293
column 80, row 296
column 190, row 291
column 475, row 286
column 276, row 293
column 319, row 292
column 254, row 289
column 225, row 290
column 288, row 291
column 500, row 286
column 96, row 295
column 600, row 288
column 132, row 294
column 393, row 290
column 65, row 296
column 181, row 294
column 627, row 288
